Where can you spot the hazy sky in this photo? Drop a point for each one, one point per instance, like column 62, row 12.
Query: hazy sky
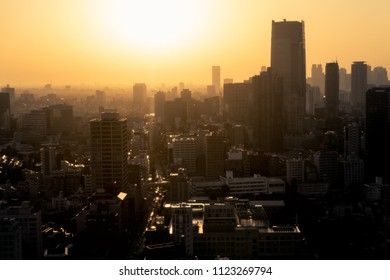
column 127, row 41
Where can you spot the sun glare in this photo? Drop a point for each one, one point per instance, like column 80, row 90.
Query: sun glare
column 151, row 25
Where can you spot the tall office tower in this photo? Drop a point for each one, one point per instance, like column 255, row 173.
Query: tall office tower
column 175, row 114
column 267, row 111
column 48, row 159
column 327, row 167
column 215, row 155
column 216, row 78
column 345, row 80
column 378, row 133
column 358, row 85
column 379, row 76
column 5, row 111
column 288, row 59
column 236, row 99
column 100, row 98
column 159, row 107
column 318, row 77
column 184, row 153
column 332, row 89
column 36, row 122
column 352, row 141
column 60, row 118
column 109, row 149
column 186, row 95
column 139, row 97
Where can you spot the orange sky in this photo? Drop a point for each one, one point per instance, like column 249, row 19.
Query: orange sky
column 121, row 42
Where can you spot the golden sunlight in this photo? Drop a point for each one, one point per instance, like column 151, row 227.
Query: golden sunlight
column 151, row 25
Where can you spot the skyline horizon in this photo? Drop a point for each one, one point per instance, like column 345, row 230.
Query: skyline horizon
column 124, row 42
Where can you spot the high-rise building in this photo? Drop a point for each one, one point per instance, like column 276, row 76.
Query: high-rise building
column 236, row 98
column 159, row 107
column 216, row 78
column 358, row 85
column 139, row 96
column 378, row 133
column 267, row 111
column 215, row 155
column 48, row 159
column 345, row 80
column 100, row 98
column 352, row 141
column 379, row 76
column 5, row 111
column 318, row 77
column 327, row 166
column 109, row 151
column 332, row 89
column 184, row 153
column 288, row 59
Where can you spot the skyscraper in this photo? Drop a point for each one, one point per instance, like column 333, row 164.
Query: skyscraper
column 358, row 85
column 216, row 78
column 109, row 148
column 159, row 107
column 288, row 59
column 378, row 132
column 5, row 111
column 267, row 111
column 332, row 89
column 139, row 97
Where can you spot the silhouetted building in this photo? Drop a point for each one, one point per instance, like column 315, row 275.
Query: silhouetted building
column 216, row 78
column 237, row 101
column 358, row 85
column 5, row 111
column 109, row 151
column 332, row 89
column 318, row 77
column 288, row 59
column 159, row 107
column 352, row 136
column 378, row 132
column 30, row 222
column 11, row 237
column 215, row 155
column 139, row 97
column 267, row 108
column 60, row 118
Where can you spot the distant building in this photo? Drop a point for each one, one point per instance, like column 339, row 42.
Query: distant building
column 327, row 166
column 216, row 78
column 352, row 136
column 332, row 89
column 374, row 192
column 215, row 155
column 5, row 111
column 267, row 111
column 184, row 153
column 358, row 85
column 295, row 169
column 237, row 101
column 139, row 97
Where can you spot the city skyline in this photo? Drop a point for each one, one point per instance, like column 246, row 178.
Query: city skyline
column 94, row 42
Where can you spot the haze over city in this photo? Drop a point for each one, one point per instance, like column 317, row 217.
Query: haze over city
column 122, row 42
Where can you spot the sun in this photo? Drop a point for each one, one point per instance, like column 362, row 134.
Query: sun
column 151, row 24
